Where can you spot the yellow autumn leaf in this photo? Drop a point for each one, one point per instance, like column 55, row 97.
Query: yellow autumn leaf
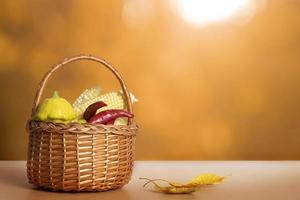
column 192, row 186
column 175, row 184
column 181, row 190
column 170, row 189
column 207, row 179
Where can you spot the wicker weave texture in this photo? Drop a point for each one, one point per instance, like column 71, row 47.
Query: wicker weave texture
column 80, row 157
column 79, row 161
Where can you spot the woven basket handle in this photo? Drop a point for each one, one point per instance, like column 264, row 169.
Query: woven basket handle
column 82, row 57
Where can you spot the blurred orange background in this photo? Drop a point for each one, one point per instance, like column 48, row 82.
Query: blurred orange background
column 216, row 80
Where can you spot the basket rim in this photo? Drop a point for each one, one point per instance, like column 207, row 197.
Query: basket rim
column 86, row 128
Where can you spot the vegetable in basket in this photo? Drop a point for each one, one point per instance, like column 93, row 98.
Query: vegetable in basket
column 109, row 116
column 92, row 109
column 86, row 96
column 55, row 109
column 104, row 117
column 114, row 100
column 59, row 110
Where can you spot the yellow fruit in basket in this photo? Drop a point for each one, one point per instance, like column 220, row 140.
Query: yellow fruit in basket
column 55, row 109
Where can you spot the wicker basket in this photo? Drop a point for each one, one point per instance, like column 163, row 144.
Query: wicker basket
column 80, row 157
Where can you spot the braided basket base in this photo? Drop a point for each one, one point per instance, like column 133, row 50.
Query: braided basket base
column 75, row 157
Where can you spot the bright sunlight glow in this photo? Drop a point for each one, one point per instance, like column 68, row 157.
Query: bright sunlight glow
column 204, row 12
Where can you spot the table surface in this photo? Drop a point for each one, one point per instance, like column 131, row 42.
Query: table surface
column 247, row 180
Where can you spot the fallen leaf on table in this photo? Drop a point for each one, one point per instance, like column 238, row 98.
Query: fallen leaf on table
column 192, row 186
column 207, row 179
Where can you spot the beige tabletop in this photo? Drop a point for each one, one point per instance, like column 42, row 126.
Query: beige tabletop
column 248, row 180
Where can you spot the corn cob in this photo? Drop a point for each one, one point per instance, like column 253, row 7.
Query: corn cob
column 86, row 96
column 114, row 100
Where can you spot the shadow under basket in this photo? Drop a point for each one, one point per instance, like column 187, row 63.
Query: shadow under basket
column 80, row 157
